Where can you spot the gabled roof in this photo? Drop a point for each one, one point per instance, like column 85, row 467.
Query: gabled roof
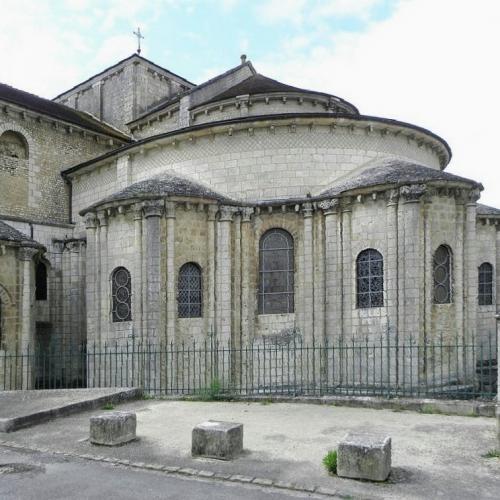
column 110, row 68
column 395, row 172
column 58, row 111
column 260, row 84
column 161, row 186
column 8, row 233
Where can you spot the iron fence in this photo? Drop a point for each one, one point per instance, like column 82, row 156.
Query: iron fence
column 289, row 366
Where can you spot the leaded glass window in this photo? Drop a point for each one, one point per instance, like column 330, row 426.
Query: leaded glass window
column 190, row 292
column 121, row 288
column 370, row 279
column 485, row 282
column 442, row 275
column 276, row 274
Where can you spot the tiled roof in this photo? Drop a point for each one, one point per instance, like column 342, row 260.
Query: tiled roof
column 260, row 84
column 396, row 172
column 58, row 111
column 8, row 233
column 487, row 210
column 160, row 186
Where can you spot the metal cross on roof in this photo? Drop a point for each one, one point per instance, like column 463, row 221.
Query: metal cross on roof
column 138, row 34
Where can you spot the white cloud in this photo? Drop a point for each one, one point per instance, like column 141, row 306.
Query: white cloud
column 271, row 11
column 431, row 63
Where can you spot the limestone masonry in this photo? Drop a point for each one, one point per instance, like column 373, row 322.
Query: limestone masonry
column 140, row 205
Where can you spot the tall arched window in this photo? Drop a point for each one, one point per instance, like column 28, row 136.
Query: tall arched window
column 13, row 145
column 41, row 281
column 121, row 289
column 276, row 274
column 485, row 282
column 189, row 297
column 370, row 279
column 442, row 266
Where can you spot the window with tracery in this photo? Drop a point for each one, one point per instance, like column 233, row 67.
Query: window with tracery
column 189, row 297
column 121, row 289
column 276, row 273
column 485, row 283
column 370, row 279
column 442, row 266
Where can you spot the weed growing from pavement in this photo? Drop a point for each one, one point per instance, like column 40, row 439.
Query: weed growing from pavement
column 266, row 401
column 330, row 461
column 431, row 410
column 492, row 454
column 108, row 406
column 147, row 397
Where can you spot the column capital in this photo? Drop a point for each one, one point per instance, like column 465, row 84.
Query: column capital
column 170, row 209
column 392, row 197
column 472, row 196
column 412, row 193
column 212, row 212
column 307, row 209
column 137, row 211
column 346, row 204
column 226, row 213
column 329, row 207
column 90, row 220
column 246, row 214
column 27, row 253
column 102, row 217
column 153, row 208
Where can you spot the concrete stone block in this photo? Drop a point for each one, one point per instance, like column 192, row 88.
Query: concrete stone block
column 113, row 428
column 223, row 440
column 364, row 456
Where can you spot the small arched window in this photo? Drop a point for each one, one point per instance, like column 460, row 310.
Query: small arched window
column 276, row 273
column 41, row 281
column 370, row 279
column 485, row 283
column 121, row 289
column 442, row 275
column 189, row 297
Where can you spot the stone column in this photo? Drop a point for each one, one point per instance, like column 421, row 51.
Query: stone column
column 470, row 268
column 236, row 283
column 247, row 291
column 137, row 275
column 308, row 273
column 497, row 410
column 391, row 285
column 171, row 284
column 333, row 270
column 211, row 217
column 223, row 299
column 104, row 290
column 153, row 211
column 413, row 273
column 27, row 281
column 347, row 269
column 497, row 268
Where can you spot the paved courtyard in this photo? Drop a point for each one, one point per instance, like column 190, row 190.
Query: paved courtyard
column 433, row 455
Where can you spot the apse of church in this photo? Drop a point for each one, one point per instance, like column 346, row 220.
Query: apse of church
column 241, row 208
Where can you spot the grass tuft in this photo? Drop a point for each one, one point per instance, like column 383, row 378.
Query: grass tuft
column 330, row 461
column 108, row 406
column 492, row 454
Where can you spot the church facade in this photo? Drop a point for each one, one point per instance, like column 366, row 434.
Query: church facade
column 138, row 205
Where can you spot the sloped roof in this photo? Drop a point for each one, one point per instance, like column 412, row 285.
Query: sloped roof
column 487, row 210
column 396, row 172
column 8, row 233
column 158, row 187
column 58, row 111
column 260, row 84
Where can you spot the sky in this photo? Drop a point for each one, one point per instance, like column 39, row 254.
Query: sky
column 434, row 63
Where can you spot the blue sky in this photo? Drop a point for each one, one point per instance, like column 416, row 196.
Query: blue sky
column 428, row 62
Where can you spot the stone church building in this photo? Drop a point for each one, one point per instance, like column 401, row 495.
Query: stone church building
column 138, row 205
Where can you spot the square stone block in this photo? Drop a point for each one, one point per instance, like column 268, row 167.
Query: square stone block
column 364, row 456
column 223, row 440
column 113, row 428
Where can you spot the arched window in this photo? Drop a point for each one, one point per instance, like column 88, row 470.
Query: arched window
column 41, row 281
column 442, row 275
column 370, row 279
column 276, row 274
column 13, row 145
column 485, row 282
column 189, row 297
column 121, row 289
